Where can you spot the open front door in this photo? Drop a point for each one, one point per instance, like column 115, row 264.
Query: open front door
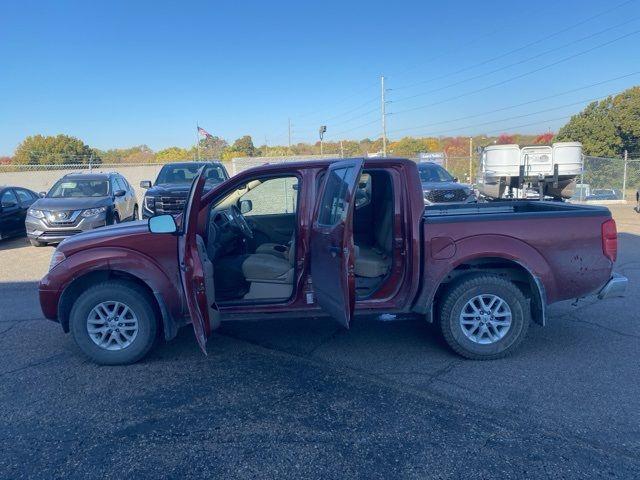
column 193, row 268
column 332, row 252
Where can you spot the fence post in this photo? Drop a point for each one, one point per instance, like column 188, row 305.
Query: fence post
column 624, row 178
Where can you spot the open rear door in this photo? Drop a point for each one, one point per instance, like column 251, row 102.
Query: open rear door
column 192, row 268
column 332, row 252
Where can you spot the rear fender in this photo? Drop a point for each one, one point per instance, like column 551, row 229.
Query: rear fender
column 469, row 249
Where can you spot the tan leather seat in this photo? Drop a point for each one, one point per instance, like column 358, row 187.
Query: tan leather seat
column 270, row 276
column 375, row 260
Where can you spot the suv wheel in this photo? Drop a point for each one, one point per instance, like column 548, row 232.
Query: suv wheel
column 113, row 323
column 484, row 317
column 135, row 214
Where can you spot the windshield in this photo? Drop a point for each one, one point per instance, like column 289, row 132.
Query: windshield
column 186, row 174
column 95, row 187
column 434, row 173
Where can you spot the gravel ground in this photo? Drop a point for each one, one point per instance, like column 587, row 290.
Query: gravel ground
column 288, row 398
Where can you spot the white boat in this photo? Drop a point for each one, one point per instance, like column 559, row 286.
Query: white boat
column 554, row 168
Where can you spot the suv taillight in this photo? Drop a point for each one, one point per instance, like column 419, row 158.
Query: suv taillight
column 610, row 239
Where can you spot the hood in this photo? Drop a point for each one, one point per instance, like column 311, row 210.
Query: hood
column 102, row 235
column 444, row 186
column 70, row 203
column 176, row 189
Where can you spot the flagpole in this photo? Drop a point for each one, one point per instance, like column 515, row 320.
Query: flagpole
column 198, row 140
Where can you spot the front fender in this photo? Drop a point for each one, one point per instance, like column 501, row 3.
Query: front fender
column 165, row 288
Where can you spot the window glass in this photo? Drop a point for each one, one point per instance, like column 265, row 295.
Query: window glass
column 119, row 184
column 8, row 197
column 334, row 204
column 214, row 174
column 433, row 173
column 273, row 196
column 24, row 195
column 79, row 188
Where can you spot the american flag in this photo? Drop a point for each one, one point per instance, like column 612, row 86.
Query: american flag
column 204, row 133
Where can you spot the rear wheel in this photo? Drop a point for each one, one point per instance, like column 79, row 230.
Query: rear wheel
column 484, row 317
column 113, row 323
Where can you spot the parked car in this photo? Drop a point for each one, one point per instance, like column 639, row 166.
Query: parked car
column 602, row 194
column 482, row 272
column 440, row 187
column 14, row 203
column 79, row 202
column 169, row 192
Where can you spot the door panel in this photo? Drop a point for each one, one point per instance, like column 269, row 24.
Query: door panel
column 192, row 269
column 332, row 252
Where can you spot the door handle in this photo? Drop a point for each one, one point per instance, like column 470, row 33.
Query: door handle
column 334, row 251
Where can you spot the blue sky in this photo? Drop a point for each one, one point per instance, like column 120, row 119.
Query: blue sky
column 117, row 74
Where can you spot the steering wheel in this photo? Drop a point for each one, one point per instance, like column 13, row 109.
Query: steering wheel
column 241, row 223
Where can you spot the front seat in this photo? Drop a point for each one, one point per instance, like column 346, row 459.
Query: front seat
column 270, row 276
column 277, row 249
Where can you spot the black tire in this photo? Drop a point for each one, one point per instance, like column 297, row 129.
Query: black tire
column 115, row 219
column 135, row 214
column 457, row 298
column 133, row 297
column 36, row 243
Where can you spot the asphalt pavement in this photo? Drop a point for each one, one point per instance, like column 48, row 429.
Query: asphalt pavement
column 305, row 399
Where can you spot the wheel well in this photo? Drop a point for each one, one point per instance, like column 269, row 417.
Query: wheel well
column 508, row 269
column 84, row 282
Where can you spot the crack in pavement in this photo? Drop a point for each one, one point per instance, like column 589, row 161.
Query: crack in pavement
column 608, row 329
column 44, row 361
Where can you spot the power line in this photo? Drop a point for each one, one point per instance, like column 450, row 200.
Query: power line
column 566, row 92
column 532, row 113
column 535, row 42
column 519, row 62
column 530, row 72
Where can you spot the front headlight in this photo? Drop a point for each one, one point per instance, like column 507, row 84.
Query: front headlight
column 150, row 204
column 90, row 212
column 36, row 213
column 56, row 259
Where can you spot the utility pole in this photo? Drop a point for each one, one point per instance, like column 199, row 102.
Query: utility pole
column 322, row 131
column 383, row 118
column 470, row 159
column 341, row 150
column 289, row 121
column 624, row 177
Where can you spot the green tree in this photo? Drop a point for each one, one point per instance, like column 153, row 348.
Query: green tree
column 57, row 150
column 608, row 127
column 212, row 147
column 244, row 146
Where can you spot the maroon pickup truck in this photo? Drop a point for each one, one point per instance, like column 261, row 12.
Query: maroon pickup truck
column 341, row 239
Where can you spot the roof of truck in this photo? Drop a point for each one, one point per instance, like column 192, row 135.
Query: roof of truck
column 298, row 164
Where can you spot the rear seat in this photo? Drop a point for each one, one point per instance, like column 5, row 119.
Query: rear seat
column 375, row 261
column 371, row 262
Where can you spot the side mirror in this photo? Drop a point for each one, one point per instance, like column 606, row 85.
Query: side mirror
column 145, row 184
column 163, row 224
column 119, row 193
column 246, row 206
column 455, row 179
column 42, row 194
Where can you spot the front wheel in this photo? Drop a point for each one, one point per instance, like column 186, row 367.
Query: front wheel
column 484, row 317
column 113, row 323
column 36, row 243
column 135, row 214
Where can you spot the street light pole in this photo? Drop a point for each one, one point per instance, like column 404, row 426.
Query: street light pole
column 470, row 159
column 322, row 130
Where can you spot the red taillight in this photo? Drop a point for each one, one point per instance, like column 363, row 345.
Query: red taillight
column 610, row 239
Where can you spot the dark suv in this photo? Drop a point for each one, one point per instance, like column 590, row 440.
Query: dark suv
column 439, row 187
column 79, row 202
column 168, row 193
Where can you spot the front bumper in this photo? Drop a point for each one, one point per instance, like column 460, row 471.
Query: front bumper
column 41, row 231
column 615, row 287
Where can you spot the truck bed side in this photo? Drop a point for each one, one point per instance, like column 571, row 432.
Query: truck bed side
column 560, row 245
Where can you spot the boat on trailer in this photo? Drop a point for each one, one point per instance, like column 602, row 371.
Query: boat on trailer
column 508, row 170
